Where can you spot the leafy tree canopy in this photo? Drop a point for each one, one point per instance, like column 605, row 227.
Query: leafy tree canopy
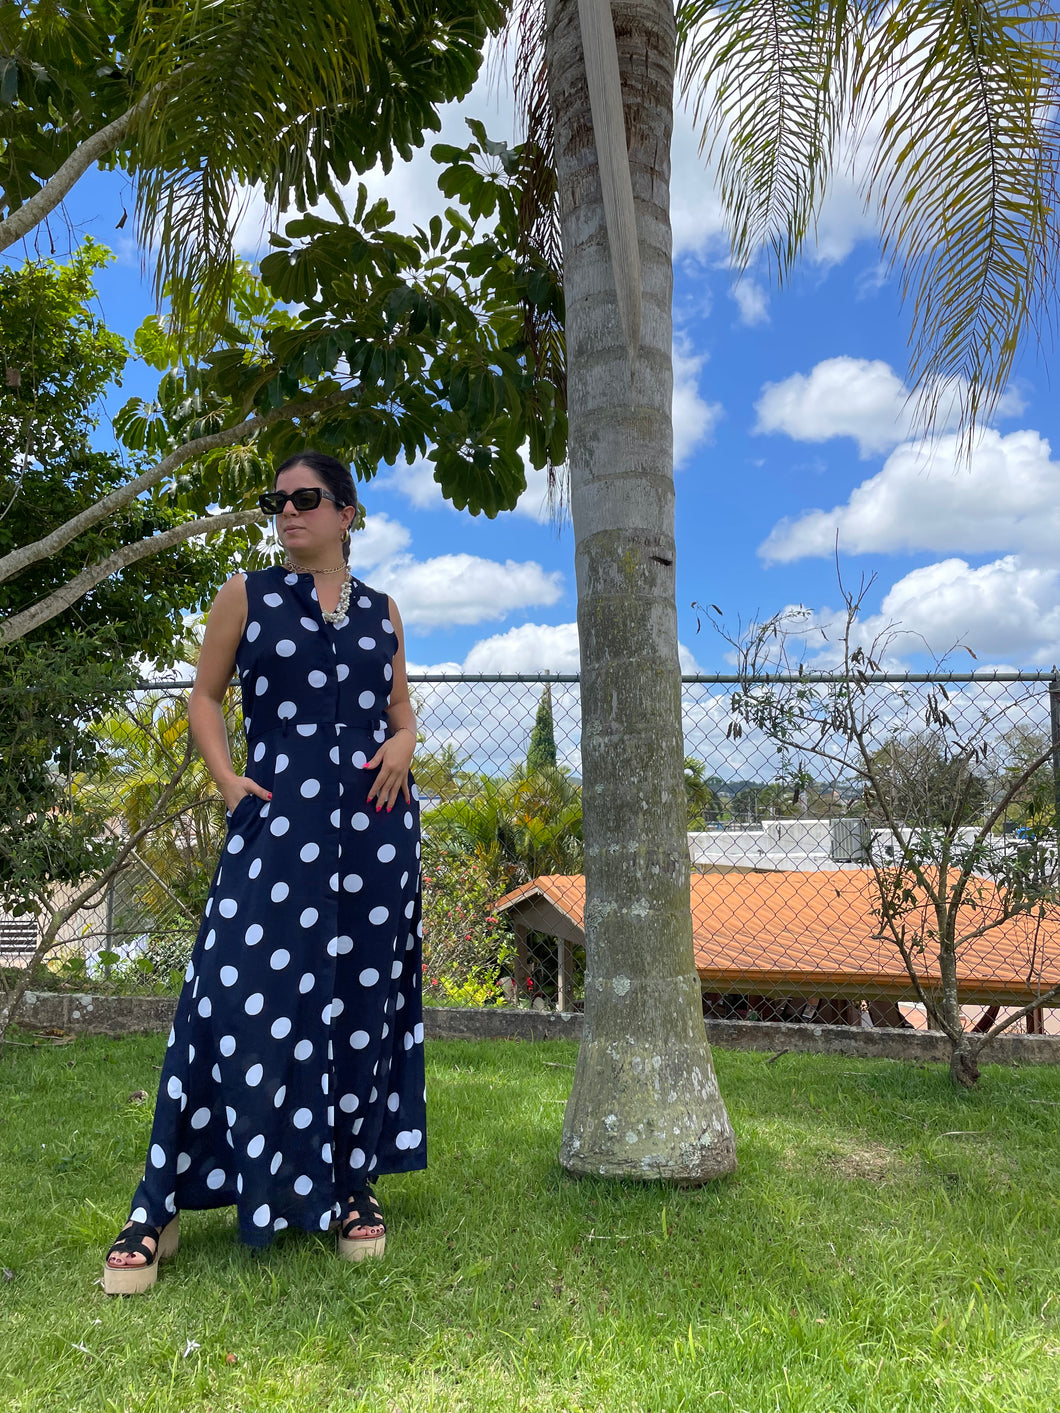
column 335, row 91
column 922, row 780
column 57, row 362
column 441, row 344
column 357, row 339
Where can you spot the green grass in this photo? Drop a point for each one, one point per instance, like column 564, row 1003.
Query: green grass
column 861, row 1258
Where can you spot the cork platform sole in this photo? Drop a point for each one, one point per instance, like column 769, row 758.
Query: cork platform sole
column 135, row 1280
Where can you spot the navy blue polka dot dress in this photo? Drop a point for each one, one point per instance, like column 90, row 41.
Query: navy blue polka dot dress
column 294, row 1073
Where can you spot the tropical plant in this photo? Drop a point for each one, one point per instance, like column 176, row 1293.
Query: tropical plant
column 516, row 828
column 703, row 805
column 58, row 359
column 441, row 344
column 440, row 774
column 191, row 99
column 140, row 747
column 374, row 343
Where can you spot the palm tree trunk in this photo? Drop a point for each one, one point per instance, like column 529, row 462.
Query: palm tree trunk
column 645, row 1101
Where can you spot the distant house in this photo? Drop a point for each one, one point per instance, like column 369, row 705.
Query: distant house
column 792, row 937
column 796, row 845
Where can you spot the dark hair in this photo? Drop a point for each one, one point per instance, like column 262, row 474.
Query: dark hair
column 332, row 472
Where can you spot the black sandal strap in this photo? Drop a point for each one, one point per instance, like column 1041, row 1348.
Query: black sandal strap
column 130, row 1241
column 362, row 1210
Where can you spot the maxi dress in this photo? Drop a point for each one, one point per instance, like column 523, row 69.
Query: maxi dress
column 294, row 1072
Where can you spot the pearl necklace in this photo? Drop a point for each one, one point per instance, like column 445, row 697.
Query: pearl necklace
column 343, row 605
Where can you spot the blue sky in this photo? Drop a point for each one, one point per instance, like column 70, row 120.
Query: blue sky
column 791, row 426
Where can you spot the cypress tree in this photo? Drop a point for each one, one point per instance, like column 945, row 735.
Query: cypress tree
column 542, row 749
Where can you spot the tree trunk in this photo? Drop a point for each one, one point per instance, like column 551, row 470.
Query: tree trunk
column 645, row 1101
column 964, row 1064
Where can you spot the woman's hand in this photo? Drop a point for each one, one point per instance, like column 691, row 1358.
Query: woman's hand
column 238, row 788
column 393, row 758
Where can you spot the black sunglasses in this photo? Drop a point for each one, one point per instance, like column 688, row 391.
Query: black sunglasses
column 304, row 498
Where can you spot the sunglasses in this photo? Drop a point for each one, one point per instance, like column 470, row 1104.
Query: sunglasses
column 305, row 498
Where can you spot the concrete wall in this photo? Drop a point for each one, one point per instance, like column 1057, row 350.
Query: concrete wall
column 128, row 1015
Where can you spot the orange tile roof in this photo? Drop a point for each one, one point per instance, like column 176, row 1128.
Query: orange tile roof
column 796, row 931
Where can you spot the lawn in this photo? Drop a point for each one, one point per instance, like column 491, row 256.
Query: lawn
column 887, row 1244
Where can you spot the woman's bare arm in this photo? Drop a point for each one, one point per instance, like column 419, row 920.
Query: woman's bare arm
column 217, row 660
column 394, row 756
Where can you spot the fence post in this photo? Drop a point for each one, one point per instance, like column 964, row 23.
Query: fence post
column 1054, row 737
column 109, row 925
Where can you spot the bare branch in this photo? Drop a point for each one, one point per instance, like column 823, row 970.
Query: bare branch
column 1047, row 998
column 22, row 623
column 26, row 555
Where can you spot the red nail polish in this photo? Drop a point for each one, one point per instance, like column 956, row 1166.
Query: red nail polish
column 270, row 794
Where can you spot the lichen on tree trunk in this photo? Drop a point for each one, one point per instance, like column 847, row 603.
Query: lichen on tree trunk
column 645, row 1101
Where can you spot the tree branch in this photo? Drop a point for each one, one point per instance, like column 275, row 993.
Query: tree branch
column 44, row 202
column 84, row 896
column 25, row 555
column 22, row 623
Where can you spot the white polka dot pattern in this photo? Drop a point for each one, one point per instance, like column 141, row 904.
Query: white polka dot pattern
column 311, row 946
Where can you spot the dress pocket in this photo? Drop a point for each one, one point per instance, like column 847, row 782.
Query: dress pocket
column 232, row 815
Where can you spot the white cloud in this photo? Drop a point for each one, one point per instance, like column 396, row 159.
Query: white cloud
column 490, row 724
column 448, row 588
column 695, row 211
column 694, row 417
column 1005, row 609
column 380, row 540
column 534, row 501
column 1005, row 496
column 538, row 647
column 859, row 398
column 462, row 588
column 414, row 480
column 687, row 660
column 531, row 647
column 839, row 397
column 752, row 300
column 843, row 219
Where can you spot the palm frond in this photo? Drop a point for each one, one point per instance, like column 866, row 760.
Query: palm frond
column 966, row 179
column 766, row 80
column 539, row 207
column 224, row 118
column 292, row 106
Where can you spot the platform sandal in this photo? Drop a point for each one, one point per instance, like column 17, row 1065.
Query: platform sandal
column 362, row 1214
column 134, row 1280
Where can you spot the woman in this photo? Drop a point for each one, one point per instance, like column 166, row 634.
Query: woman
column 294, row 1074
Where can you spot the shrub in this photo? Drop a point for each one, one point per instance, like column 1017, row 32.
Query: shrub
column 467, row 947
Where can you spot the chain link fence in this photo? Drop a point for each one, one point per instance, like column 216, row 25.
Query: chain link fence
column 865, row 850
